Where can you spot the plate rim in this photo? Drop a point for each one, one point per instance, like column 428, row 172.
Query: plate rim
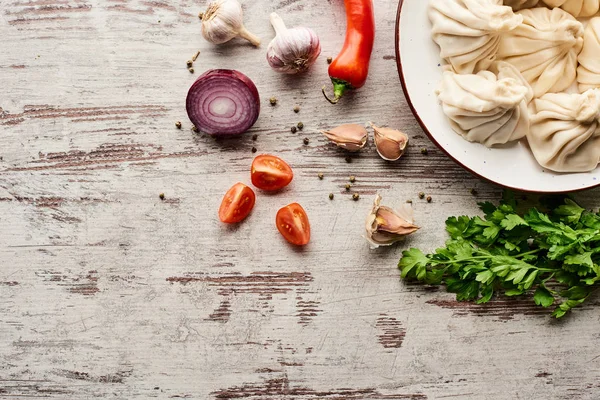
column 432, row 138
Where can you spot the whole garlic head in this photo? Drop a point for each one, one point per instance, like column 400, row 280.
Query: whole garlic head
column 223, row 21
column 292, row 50
column 385, row 226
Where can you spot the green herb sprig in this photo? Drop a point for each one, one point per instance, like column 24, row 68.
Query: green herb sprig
column 554, row 255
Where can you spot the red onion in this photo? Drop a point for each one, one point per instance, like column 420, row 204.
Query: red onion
column 223, row 102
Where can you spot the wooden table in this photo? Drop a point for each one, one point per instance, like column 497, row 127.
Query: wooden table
column 107, row 291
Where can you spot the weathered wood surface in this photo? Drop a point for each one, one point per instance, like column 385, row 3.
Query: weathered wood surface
column 105, row 291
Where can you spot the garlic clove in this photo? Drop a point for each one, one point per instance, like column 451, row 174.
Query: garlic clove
column 390, row 143
column 223, row 21
column 292, row 50
column 351, row 137
column 385, row 226
column 390, row 221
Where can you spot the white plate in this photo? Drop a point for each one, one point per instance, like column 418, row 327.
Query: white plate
column 419, row 68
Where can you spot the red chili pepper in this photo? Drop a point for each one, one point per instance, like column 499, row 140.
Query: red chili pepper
column 350, row 68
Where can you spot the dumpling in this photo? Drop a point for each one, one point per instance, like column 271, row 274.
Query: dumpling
column 577, row 8
column 488, row 108
column 544, row 48
column 588, row 72
column 565, row 131
column 468, row 31
column 521, row 4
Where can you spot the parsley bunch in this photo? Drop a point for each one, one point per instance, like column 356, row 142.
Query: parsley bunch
column 554, row 255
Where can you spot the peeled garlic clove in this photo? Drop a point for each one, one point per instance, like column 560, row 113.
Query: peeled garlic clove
column 390, row 143
column 292, row 50
column 351, row 137
column 385, row 226
column 223, row 21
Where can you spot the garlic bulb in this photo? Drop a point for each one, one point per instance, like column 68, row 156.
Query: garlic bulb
column 385, row 226
column 292, row 50
column 223, row 21
column 390, row 142
column 351, row 137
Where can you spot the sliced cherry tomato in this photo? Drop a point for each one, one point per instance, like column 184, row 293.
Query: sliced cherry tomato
column 293, row 225
column 270, row 173
column 237, row 204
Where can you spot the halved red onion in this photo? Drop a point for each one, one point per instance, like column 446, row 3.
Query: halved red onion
column 223, row 102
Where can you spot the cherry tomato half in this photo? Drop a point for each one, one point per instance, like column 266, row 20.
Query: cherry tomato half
column 270, row 173
column 237, row 204
column 293, row 225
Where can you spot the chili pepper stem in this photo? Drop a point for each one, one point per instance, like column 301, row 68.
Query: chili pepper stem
column 335, row 99
column 339, row 88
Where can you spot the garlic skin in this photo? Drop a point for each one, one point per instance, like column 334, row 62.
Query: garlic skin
column 351, row 137
column 385, row 226
column 223, row 21
column 292, row 50
column 390, row 143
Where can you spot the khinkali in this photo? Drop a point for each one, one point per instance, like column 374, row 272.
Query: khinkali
column 544, row 48
column 521, row 4
column 488, row 108
column 468, row 31
column 588, row 72
column 577, row 8
column 565, row 132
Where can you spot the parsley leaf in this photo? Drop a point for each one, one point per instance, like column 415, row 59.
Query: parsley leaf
column 581, row 263
column 487, row 208
column 543, row 297
column 569, row 212
column 457, row 227
column 590, row 220
column 516, row 253
column 565, row 307
column 413, row 260
column 511, row 221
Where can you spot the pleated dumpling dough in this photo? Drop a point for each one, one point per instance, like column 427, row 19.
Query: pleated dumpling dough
column 565, row 131
column 488, row 108
column 577, row 8
column 588, row 72
column 544, row 48
column 521, row 4
column 468, row 31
